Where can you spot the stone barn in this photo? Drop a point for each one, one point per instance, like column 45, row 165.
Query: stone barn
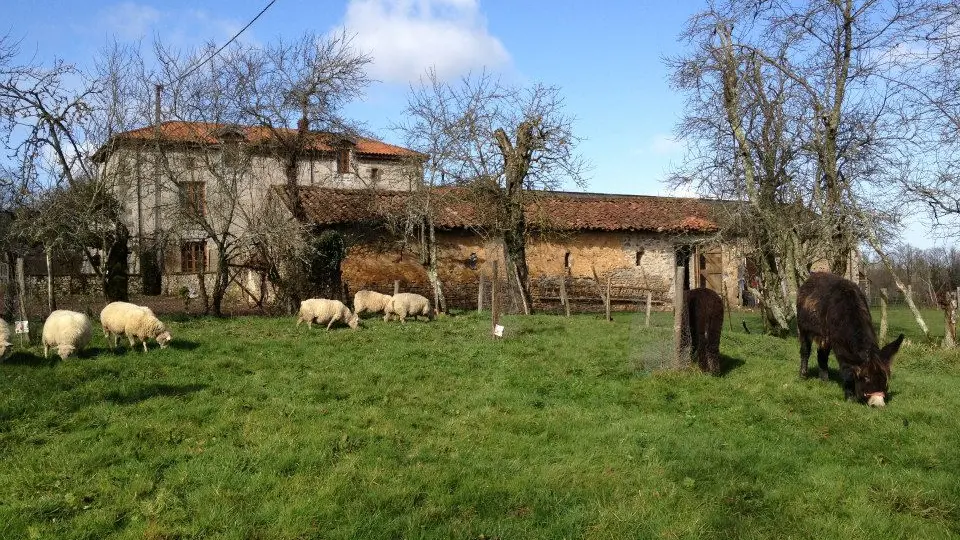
column 583, row 238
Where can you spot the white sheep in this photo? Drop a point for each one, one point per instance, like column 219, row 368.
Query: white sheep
column 322, row 310
column 408, row 304
column 135, row 322
column 4, row 338
column 370, row 302
column 68, row 331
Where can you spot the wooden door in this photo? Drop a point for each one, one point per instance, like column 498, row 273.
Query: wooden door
column 710, row 268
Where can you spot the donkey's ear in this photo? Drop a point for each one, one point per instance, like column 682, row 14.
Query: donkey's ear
column 886, row 353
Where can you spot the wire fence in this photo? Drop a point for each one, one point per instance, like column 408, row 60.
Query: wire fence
column 584, row 295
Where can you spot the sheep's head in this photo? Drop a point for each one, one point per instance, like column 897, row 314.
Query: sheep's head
column 164, row 339
column 4, row 347
column 354, row 321
column 65, row 350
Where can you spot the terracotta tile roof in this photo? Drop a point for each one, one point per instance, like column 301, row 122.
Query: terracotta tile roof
column 557, row 210
column 207, row 133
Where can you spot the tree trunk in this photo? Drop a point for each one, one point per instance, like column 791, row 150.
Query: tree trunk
column 896, row 279
column 10, row 294
column 883, row 314
column 202, row 282
column 681, row 326
column 51, row 301
column 221, row 282
column 439, row 300
column 115, row 276
column 515, row 251
column 516, row 160
column 949, row 320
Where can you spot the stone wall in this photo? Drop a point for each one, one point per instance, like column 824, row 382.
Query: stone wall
column 634, row 262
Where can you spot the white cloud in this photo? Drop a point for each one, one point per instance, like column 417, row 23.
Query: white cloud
column 405, row 37
column 679, row 191
column 129, row 20
column 663, row 145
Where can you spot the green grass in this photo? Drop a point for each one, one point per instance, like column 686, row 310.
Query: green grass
column 251, row 428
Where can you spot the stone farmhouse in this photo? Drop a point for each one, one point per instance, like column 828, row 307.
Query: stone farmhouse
column 219, row 176
column 354, row 184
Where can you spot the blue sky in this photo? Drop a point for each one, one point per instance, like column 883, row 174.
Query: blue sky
column 606, row 57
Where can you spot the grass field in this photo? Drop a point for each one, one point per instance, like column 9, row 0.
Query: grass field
column 251, row 428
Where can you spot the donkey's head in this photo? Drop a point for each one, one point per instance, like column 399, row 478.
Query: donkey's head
column 872, row 378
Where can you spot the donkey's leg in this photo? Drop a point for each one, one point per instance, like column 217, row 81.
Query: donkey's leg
column 805, row 343
column 847, row 380
column 713, row 343
column 823, row 354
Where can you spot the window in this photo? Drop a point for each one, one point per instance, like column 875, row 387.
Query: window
column 639, row 256
column 189, row 163
column 567, row 263
column 375, row 174
column 231, row 157
column 193, row 198
column 193, row 255
column 343, row 160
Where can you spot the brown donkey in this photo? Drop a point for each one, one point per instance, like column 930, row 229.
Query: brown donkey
column 705, row 316
column 833, row 312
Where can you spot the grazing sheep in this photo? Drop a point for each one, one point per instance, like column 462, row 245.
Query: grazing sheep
column 408, row 304
column 370, row 302
column 327, row 311
column 135, row 322
column 4, row 338
column 68, row 331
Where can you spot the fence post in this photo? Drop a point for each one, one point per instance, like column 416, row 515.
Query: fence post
column 681, row 330
column 649, row 302
column 22, row 294
column 396, row 287
column 607, row 299
column 883, row 314
column 564, row 301
column 480, row 294
column 494, row 300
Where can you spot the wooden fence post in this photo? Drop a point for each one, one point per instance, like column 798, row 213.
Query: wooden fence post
column 396, row 287
column 681, row 330
column 480, row 295
column 22, row 294
column 494, row 300
column 649, row 302
column 564, row 300
column 607, row 299
column 883, row 314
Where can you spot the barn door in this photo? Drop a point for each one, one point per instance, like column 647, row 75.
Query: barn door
column 710, row 268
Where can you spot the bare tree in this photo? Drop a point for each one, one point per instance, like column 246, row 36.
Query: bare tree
column 931, row 81
column 503, row 142
column 790, row 110
column 295, row 92
column 53, row 116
